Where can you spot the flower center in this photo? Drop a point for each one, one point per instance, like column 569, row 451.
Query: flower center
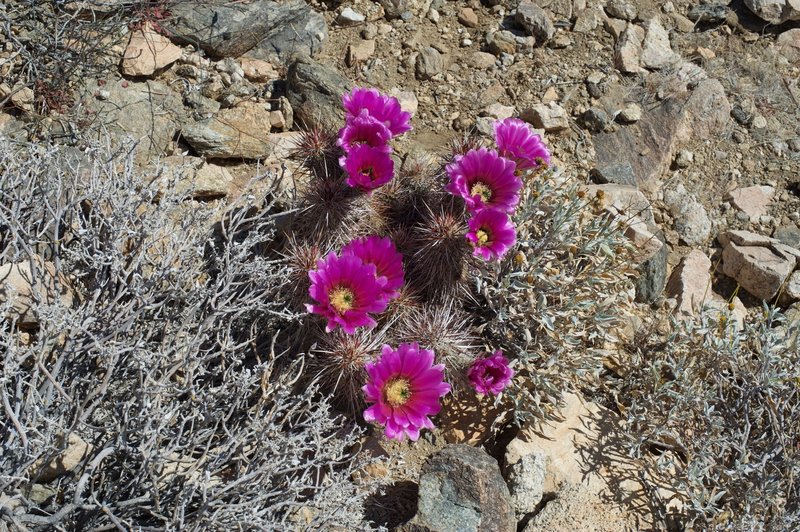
column 479, row 188
column 397, row 391
column 341, row 299
column 369, row 172
column 484, row 236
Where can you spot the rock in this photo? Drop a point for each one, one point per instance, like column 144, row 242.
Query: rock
column 628, row 50
column 360, row 51
column 595, row 119
column 550, row 95
column 277, row 120
column 623, row 198
column 589, row 19
column 793, row 287
column 265, row 29
column 32, row 282
column 11, row 128
column 691, row 220
column 775, row 11
column 183, row 175
column 502, row 42
column 759, row 270
column 349, row 17
column 652, row 274
column 461, row 489
column 525, row 473
column 258, row 70
column 646, row 243
column 707, row 112
column 622, row 9
column 74, row 452
column 656, row 50
column 238, row 132
column 149, row 112
column 315, row 93
column 788, row 235
column 481, row 60
column 551, row 117
column 579, row 508
column 395, row 8
column 498, row 111
column 690, row 283
column 708, row 13
column 535, row 21
column 788, row 44
column 408, row 100
column 631, row 113
column 753, row 201
column 615, row 27
column 147, row 52
column 429, row 63
column 684, row 159
column 203, row 107
column 23, row 98
column 468, row 17
column 745, row 238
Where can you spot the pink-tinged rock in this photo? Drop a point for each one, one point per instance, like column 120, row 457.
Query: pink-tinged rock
column 646, row 243
column 628, row 51
column 147, row 52
column 753, row 201
column 759, row 270
column 745, row 238
column 690, row 283
column 360, row 51
column 656, row 50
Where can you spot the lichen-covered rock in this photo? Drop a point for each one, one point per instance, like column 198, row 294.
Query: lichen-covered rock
column 315, row 94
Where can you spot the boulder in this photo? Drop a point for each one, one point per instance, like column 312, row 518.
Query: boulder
column 461, row 490
column 239, row 132
column 656, row 50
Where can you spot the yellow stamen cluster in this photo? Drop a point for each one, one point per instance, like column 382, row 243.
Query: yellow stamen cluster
column 484, row 236
column 342, row 299
column 397, row 391
column 479, row 188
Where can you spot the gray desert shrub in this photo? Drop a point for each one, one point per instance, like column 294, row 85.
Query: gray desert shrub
column 157, row 396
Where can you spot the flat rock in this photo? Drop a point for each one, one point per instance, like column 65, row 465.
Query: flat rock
column 745, row 238
column 759, row 270
column 690, row 283
column 502, row 42
column 148, row 112
column 28, row 283
column 656, row 50
column 551, row 117
column 238, row 132
column 349, row 16
column 753, row 201
column 360, row 51
column 265, row 28
column 315, row 94
column 147, row 52
column 460, row 490
column 775, row 11
column 535, row 21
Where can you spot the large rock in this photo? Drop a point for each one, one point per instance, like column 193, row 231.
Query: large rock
column 461, row 490
column 263, row 28
column 656, row 50
column 26, row 284
column 548, row 116
column 775, row 11
column 147, row 52
column 690, row 283
column 759, row 270
column 239, row 132
column 628, row 50
column 148, row 112
column 193, row 176
column 315, row 94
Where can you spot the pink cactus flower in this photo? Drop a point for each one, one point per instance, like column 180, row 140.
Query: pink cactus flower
column 382, row 253
column 490, row 374
column 491, row 233
column 484, row 179
column 367, row 167
column 364, row 129
column 405, row 387
column 346, row 291
column 516, row 141
column 385, row 109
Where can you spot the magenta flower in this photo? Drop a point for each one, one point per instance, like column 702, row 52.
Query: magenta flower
column 364, row 129
column 346, row 290
column 492, row 234
column 484, row 179
column 381, row 253
column 385, row 109
column 367, row 167
column 405, row 387
column 516, row 140
column 490, row 374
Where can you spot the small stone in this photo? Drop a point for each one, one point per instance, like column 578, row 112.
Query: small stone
column 203, row 107
column 589, row 19
column 349, row 17
column 595, row 119
column 258, row 70
column 481, row 60
column 408, row 100
column 704, row 53
column 147, row 52
column 429, row 63
column 535, row 21
column 753, row 201
column 615, row 27
column 622, row 9
column 708, row 13
column 684, row 159
column 498, row 111
column 75, row 451
column 690, row 218
column 646, row 243
column 360, row 51
column 759, row 122
column 433, row 16
column 656, row 50
column 23, row 98
column 502, row 42
column 631, row 113
column 550, row 117
column 277, row 120
column 628, row 51
column 468, row 17
column 793, row 287
column 466, row 42
column 560, row 41
column 550, row 95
